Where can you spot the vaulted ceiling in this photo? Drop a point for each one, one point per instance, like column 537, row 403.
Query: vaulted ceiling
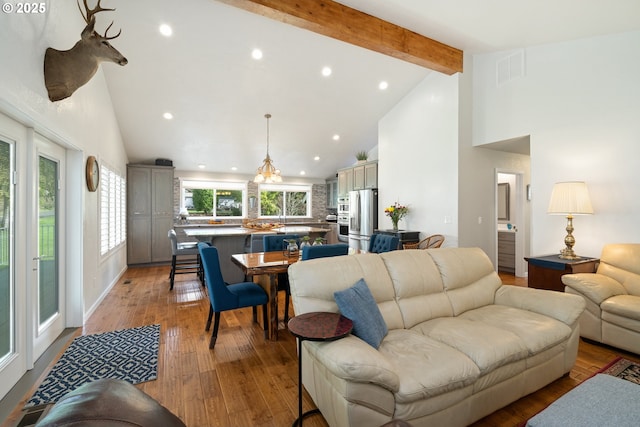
column 205, row 76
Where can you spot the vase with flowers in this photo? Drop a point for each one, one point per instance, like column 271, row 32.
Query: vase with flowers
column 396, row 212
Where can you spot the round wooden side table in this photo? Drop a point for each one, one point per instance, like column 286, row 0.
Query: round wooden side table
column 315, row 326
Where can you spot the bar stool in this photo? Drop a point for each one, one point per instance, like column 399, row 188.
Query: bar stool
column 190, row 262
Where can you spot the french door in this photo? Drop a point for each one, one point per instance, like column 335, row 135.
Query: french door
column 48, row 291
column 32, row 230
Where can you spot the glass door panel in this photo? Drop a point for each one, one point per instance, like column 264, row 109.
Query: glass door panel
column 47, row 245
column 48, row 286
column 13, row 355
column 7, row 309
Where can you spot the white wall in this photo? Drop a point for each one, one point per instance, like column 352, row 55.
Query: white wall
column 579, row 102
column 418, row 158
column 84, row 123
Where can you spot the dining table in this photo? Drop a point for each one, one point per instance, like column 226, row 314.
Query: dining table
column 264, row 268
column 236, row 239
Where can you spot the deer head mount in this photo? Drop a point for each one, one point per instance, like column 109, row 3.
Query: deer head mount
column 67, row 70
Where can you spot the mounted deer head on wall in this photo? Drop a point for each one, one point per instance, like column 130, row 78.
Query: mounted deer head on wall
column 67, row 70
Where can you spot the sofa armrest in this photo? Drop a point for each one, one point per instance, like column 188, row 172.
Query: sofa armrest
column 566, row 308
column 354, row 360
column 596, row 287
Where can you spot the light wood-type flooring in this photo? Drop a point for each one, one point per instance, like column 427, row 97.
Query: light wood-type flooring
column 247, row 381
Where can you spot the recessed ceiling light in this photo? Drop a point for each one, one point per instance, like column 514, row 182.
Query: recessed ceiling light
column 201, row 166
column 316, row 158
column 233, row 168
column 165, row 30
column 326, row 71
column 303, row 173
column 336, row 137
column 383, row 85
column 256, row 54
column 168, row 116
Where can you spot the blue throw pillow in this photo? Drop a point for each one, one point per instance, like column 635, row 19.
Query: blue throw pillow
column 358, row 304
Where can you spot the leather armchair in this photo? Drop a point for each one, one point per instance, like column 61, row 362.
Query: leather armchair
column 108, row 402
column 612, row 295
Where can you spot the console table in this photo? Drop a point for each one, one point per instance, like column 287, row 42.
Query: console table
column 545, row 272
column 404, row 236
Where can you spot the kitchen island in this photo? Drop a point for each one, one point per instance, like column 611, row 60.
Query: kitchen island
column 231, row 240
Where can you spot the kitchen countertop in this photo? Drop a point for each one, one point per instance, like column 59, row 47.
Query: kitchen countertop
column 224, row 225
column 242, row 231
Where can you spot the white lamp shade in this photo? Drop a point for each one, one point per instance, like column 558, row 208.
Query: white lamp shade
column 570, row 198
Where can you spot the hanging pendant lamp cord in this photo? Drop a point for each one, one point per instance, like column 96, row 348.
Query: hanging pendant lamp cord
column 268, row 116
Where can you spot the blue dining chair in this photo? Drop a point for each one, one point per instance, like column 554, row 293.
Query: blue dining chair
column 224, row 297
column 383, row 243
column 273, row 243
column 323, row 251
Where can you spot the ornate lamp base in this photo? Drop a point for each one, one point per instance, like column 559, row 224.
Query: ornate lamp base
column 569, row 241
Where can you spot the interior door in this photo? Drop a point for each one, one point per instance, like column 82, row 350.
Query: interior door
column 47, row 244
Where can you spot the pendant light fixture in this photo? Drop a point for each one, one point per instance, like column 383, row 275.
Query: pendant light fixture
column 267, row 173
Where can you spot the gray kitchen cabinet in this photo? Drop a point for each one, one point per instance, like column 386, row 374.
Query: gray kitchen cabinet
column 149, row 213
column 345, row 182
column 371, row 175
column 358, row 177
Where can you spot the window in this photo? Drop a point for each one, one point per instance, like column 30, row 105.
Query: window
column 113, row 210
column 285, row 200
column 213, row 199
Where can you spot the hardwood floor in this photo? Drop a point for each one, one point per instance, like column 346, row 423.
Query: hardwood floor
column 247, row 381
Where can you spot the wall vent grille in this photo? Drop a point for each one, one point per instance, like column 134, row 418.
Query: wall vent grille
column 510, row 68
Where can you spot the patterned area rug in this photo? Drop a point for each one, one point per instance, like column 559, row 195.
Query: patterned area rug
column 128, row 354
column 623, row 368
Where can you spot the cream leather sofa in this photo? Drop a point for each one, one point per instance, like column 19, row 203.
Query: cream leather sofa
column 459, row 346
column 612, row 295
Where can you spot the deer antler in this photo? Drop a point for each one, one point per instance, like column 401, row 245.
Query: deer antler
column 107, row 30
column 88, row 13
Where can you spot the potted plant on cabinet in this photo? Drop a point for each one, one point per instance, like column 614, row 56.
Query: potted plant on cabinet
column 362, row 156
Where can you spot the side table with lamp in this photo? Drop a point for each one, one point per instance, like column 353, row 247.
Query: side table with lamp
column 545, row 272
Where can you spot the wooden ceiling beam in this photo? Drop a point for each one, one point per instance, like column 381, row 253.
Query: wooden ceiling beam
column 352, row 26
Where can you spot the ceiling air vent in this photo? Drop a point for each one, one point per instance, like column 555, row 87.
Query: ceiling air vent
column 510, row 67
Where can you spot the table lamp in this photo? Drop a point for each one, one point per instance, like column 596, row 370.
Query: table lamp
column 570, row 198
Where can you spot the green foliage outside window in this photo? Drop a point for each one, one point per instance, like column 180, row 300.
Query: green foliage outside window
column 202, row 201
column 271, row 203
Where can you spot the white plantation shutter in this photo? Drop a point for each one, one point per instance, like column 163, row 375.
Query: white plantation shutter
column 112, row 210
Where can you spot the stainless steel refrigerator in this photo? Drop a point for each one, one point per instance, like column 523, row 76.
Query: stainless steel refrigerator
column 363, row 217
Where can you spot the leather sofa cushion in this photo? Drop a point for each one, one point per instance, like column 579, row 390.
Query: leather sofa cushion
column 626, row 306
column 425, row 366
column 623, row 305
column 489, row 347
column 537, row 332
column 620, row 262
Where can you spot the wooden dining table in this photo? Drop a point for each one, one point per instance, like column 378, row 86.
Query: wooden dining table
column 264, row 268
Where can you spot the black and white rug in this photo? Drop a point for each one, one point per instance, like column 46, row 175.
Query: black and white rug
column 128, row 354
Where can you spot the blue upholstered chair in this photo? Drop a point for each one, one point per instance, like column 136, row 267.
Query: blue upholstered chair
column 323, row 251
column 224, row 297
column 383, row 243
column 184, row 258
column 273, row 243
